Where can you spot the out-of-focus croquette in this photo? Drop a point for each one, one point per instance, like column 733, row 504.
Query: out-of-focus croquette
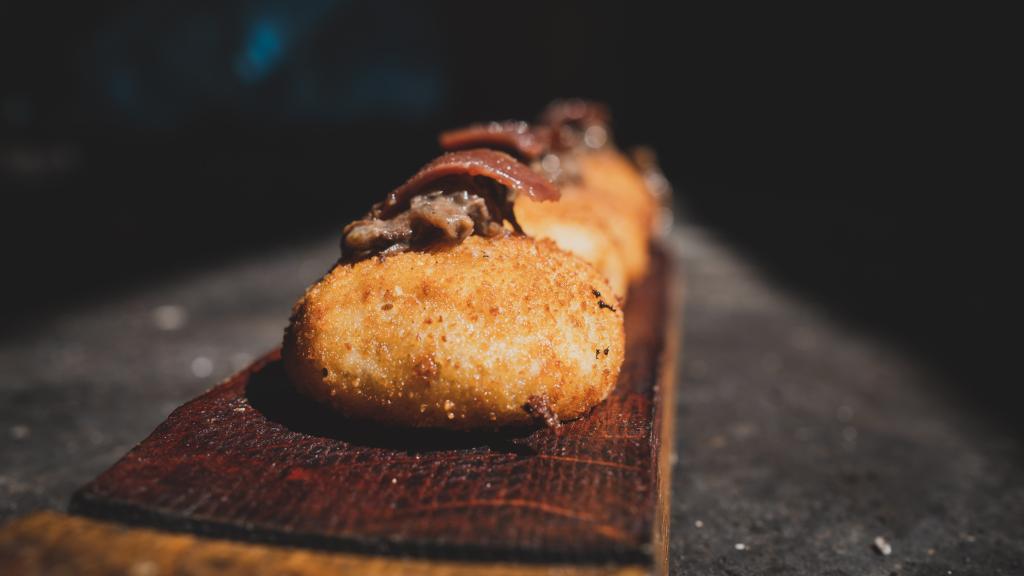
column 616, row 186
column 578, row 226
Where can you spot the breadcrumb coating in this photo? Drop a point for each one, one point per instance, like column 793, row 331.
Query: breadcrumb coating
column 617, row 187
column 464, row 336
column 579, row 226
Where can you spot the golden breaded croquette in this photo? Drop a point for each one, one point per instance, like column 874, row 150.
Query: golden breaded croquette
column 617, row 189
column 606, row 212
column 484, row 333
column 617, row 179
column 581, row 136
column 576, row 225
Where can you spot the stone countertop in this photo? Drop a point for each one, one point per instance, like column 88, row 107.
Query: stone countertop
column 800, row 441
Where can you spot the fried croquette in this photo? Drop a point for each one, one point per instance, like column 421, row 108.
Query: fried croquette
column 455, row 195
column 606, row 212
column 617, row 188
column 581, row 137
column 578, row 226
column 618, row 179
column 475, row 335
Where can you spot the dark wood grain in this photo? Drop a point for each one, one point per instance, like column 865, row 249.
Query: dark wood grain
column 250, row 459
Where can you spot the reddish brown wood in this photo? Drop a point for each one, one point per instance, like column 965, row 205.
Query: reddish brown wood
column 251, row 459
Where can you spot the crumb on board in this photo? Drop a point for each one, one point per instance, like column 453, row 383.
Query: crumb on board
column 540, row 408
column 882, row 546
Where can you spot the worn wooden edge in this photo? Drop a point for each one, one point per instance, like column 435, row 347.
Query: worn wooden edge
column 55, row 543
column 131, row 514
column 666, row 405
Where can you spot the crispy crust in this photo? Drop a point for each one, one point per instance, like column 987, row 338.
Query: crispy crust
column 619, row 189
column 587, row 230
column 458, row 338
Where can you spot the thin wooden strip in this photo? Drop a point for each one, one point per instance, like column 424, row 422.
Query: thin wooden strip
column 51, row 543
column 666, row 402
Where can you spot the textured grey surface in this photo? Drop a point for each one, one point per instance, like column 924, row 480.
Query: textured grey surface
column 799, row 440
column 803, row 441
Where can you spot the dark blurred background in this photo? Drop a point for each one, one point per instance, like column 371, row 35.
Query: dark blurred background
column 849, row 153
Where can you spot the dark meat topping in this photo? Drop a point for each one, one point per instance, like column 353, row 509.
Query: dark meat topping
column 574, row 122
column 646, row 161
column 436, row 216
column 519, row 139
column 566, row 128
column 658, row 185
column 464, row 165
column 456, row 195
column 575, row 111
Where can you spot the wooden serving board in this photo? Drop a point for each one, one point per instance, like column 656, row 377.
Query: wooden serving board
column 252, row 460
column 51, row 543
